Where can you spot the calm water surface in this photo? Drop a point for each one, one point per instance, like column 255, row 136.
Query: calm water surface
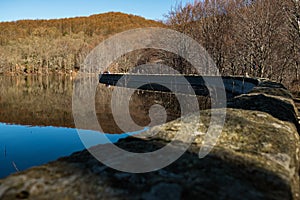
column 22, row 147
column 36, row 123
column 37, row 126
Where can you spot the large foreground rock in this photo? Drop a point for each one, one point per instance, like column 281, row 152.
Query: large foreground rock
column 256, row 157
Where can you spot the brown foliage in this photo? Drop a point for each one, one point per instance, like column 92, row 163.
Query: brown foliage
column 42, row 46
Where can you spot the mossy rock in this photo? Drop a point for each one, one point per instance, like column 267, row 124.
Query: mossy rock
column 280, row 92
column 271, row 84
column 255, row 157
column 269, row 97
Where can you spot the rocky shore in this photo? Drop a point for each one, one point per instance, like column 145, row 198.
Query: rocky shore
column 256, row 157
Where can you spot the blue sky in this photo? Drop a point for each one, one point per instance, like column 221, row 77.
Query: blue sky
column 11, row 10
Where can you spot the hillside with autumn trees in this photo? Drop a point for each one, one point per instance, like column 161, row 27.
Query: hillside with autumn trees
column 256, row 38
column 60, row 45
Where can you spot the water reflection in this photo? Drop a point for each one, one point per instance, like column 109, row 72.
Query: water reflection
column 36, row 100
column 47, row 101
column 42, row 105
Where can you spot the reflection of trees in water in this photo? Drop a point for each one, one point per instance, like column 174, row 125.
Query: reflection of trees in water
column 169, row 101
column 47, row 101
column 104, row 111
column 139, row 105
column 36, row 100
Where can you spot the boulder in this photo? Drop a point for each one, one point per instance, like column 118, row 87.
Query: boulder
column 255, row 157
column 269, row 97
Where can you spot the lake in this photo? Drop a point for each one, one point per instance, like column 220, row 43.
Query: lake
column 36, row 122
column 37, row 125
column 22, row 147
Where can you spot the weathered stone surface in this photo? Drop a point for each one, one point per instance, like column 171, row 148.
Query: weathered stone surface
column 256, row 157
column 272, row 91
column 279, row 107
column 270, row 84
column 269, row 97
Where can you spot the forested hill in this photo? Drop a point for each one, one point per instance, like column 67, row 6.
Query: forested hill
column 41, row 46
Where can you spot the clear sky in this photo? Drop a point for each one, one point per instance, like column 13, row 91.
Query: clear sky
column 11, row 10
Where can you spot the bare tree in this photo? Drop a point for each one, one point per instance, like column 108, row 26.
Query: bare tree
column 210, row 23
column 259, row 38
column 292, row 12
